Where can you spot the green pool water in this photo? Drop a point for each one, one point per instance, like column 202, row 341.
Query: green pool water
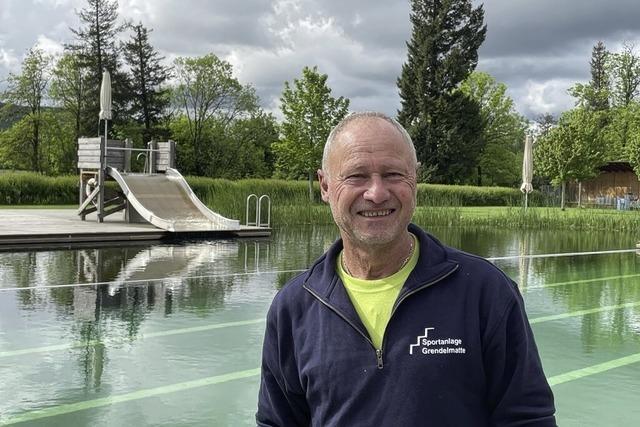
column 171, row 334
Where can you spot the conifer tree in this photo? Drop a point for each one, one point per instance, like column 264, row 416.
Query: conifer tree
column 149, row 97
column 444, row 123
column 97, row 50
column 599, row 77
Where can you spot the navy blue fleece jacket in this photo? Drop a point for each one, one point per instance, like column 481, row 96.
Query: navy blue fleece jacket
column 458, row 351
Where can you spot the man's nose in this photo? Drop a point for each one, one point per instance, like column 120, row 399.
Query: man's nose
column 377, row 191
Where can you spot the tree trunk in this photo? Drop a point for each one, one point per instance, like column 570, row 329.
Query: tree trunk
column 562, row 196
column 36, row 147
column 311, row 186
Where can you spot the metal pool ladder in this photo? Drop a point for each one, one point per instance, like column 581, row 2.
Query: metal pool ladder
column 258, row 203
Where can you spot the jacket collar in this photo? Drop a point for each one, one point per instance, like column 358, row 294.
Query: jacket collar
column 323, row 281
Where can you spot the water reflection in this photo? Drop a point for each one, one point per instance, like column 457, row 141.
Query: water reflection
column 120, row 294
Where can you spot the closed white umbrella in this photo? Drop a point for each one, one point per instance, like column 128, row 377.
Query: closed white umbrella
column 105, row 103
column 527, row 169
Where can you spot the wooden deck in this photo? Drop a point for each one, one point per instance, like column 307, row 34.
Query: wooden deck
column 28, row 228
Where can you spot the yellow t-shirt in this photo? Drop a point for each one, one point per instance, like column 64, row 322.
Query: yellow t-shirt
column 374, row 299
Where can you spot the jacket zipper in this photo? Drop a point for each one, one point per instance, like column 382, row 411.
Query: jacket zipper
column 379, row 351
column 332, row 308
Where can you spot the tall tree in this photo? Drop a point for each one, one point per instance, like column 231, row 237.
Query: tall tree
column 148, row 76
column 599, row 77
column 444, row 123
column 571, row 150
column 28, row 89
column 503, row 130
column 97, row 50
column 309, row 113
column 70, row 92
column 625, row 76
column 595, row 94
column 545, row 123
column 631, row 126
column 206, row 90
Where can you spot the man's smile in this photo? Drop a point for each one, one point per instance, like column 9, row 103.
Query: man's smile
column 376, row 213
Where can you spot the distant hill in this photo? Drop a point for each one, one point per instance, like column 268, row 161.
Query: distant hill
column 9, row 114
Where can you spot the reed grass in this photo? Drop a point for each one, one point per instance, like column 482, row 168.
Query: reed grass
column 438, row 205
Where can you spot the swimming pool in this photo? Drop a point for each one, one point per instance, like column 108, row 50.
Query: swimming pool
column 171, row 334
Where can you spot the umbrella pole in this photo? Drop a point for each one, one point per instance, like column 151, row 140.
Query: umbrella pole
column 102, row 175
column 526, row 200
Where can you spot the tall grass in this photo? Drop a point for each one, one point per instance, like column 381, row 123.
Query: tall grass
column 18, row 188
column 438, row 205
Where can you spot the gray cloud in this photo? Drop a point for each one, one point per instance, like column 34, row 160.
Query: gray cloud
column 539, row 49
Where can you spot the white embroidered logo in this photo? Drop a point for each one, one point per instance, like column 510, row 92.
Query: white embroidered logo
column 426, row 345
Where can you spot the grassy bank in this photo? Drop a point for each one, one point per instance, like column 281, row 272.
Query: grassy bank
column 438, row 205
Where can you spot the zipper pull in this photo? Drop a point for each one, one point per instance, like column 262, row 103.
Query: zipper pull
column 379, row 357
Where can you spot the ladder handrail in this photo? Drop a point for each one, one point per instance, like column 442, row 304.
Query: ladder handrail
column 258, row 220
column 260, row 223
column 249, row 197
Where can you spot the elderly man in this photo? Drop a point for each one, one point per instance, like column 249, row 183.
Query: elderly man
column 390, row 327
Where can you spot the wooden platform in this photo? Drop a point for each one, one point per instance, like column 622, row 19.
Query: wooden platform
column 29, row 228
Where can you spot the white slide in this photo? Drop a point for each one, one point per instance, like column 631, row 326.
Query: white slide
column 167, row 201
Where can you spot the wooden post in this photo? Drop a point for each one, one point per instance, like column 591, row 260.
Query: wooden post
column 82, row 193
column 152, row 156
column 101, row 178
column 128, row 144
column 172, row 154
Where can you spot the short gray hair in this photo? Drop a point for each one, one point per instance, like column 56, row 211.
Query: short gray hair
column 363, row 115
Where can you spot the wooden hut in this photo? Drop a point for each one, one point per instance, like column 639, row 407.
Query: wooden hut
column 617, row 180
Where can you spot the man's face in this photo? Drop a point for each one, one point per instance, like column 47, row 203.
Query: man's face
column 370, row 182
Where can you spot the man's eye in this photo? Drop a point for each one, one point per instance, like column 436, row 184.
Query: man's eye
column 394, row 175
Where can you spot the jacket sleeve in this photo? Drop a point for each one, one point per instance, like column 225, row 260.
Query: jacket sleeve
column 518, row 391
column 281, row 399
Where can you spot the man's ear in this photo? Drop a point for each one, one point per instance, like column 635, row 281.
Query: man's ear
column 324, row 185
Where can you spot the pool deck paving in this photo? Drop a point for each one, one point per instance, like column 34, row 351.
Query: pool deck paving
column 27, row 228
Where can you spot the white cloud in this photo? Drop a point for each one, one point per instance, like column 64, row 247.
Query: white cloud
column 9, row 60
column 49, row 46
column 538, row 49
column 541, row 97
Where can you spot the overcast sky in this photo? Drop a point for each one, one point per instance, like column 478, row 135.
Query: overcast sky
column 537, row 48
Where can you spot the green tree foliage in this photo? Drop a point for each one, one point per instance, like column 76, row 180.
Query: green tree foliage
column 239, row 149
column 631, row 126
column 29, row 89
column 209, row 99
column 149, row 96
column 545, row 123
column 503, row 130
column 69, row 92
column 595, row 94
column 96, row 49
column 444, row 123
column 309, row 113
column 625, row 76
column 55, row 153
column 573, row 150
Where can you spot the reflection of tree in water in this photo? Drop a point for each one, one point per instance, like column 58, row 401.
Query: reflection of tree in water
column 298, row 248
column 615, row 326
column 202, row 295
column 110, row 314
